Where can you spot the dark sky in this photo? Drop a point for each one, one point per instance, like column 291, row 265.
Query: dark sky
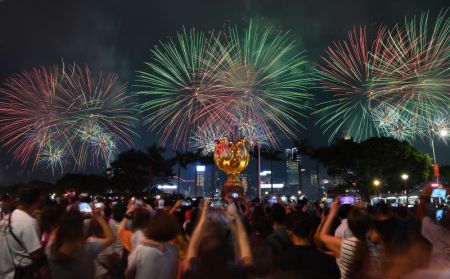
column 116, row 35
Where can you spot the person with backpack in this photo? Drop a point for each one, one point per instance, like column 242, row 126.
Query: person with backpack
column 20, row 243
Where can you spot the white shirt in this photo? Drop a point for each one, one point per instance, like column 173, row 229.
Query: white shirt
column 26, row 229
column 343, row 231
column 150, row 262
column 440, row 239
column 136, row 238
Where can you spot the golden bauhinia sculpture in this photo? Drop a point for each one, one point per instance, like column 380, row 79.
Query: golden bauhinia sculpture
column 232, row 157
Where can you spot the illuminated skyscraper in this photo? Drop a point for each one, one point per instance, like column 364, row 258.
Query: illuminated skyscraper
column 293, row 164
column 200, row 180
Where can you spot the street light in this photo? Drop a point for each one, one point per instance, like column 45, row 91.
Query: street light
column 443, row 133
column 405, row 178
column 376, row 183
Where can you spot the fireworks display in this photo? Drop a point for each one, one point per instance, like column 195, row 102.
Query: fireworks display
column 347, row 74
column 221, row 81
column 248, row 82
column 393, row 88
column 64, row 116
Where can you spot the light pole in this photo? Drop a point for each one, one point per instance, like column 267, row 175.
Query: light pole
column 443, row 133
column 405, row 178
column 376, row 183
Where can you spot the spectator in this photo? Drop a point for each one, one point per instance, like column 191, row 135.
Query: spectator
column 25, row 255
column 353, row 253
column 141, row 218
column 343, row 230
column 107, row 259
column 206, row 256
column 303, row 260
column 154, row 256
column 436, row 232
column 70, row 256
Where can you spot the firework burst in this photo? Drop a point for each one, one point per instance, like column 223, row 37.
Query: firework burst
column 346, row 73
column 197, row 81
column 56, row 117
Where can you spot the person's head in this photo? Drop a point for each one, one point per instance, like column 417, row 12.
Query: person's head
column 50, row 216
column 107, row 212
column 213, row 247
column 278, row 214
column 71, row 227
column 95, row 229
column 359, row 222
column 298, row 225
column 29, row 196
column 162, row 227
column 141, row 217
column 344, row 210
column 118, row 211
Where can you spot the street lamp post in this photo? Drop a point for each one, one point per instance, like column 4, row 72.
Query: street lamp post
column 405, row 178
column 376, row 183
column 443, row 133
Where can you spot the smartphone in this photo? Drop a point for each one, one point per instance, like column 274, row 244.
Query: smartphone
column 347, row 200
column 439, row 215
column 439, row 193
column 98, row 205
column 137, row 202
column 84, row 207
column 234, row 195
column 161, row 204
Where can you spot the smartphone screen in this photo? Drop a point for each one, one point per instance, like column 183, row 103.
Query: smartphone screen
column 84, row 207
column 347, row 200
column 439, row 193
column 439, row 215
column 138, row 202
column 98, row 205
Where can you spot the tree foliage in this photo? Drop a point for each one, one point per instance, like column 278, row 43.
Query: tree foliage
column 358, row 164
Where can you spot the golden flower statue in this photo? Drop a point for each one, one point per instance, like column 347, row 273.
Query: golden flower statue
column 232, row 158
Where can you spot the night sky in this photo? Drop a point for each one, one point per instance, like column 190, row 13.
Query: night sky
column 116, row 35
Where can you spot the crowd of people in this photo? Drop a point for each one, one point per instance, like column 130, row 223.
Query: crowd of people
column 80, row 238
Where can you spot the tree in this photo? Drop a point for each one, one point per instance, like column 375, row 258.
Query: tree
column 130, row 171
column 160, row 169
column 358, row 164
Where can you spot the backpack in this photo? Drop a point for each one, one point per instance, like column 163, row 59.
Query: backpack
column 7, row 264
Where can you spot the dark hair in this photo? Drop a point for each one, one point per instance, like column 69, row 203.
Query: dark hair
column 28, row 195
column 107, row 211
column 162, row 227
column 299, row 224
column 278, row 213
column 50, row 216
column 71, row 227
column 359, row 223
column 141, row 217
column 344, row 210
column 95, row 229
column 118, row 211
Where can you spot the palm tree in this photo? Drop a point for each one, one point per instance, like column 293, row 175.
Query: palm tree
column 271, row 154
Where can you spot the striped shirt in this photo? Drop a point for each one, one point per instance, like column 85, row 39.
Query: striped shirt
column 348, row 264
column 347, row 258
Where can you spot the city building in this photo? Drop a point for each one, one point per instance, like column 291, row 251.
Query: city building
column 199, row 180
column 294, row 179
